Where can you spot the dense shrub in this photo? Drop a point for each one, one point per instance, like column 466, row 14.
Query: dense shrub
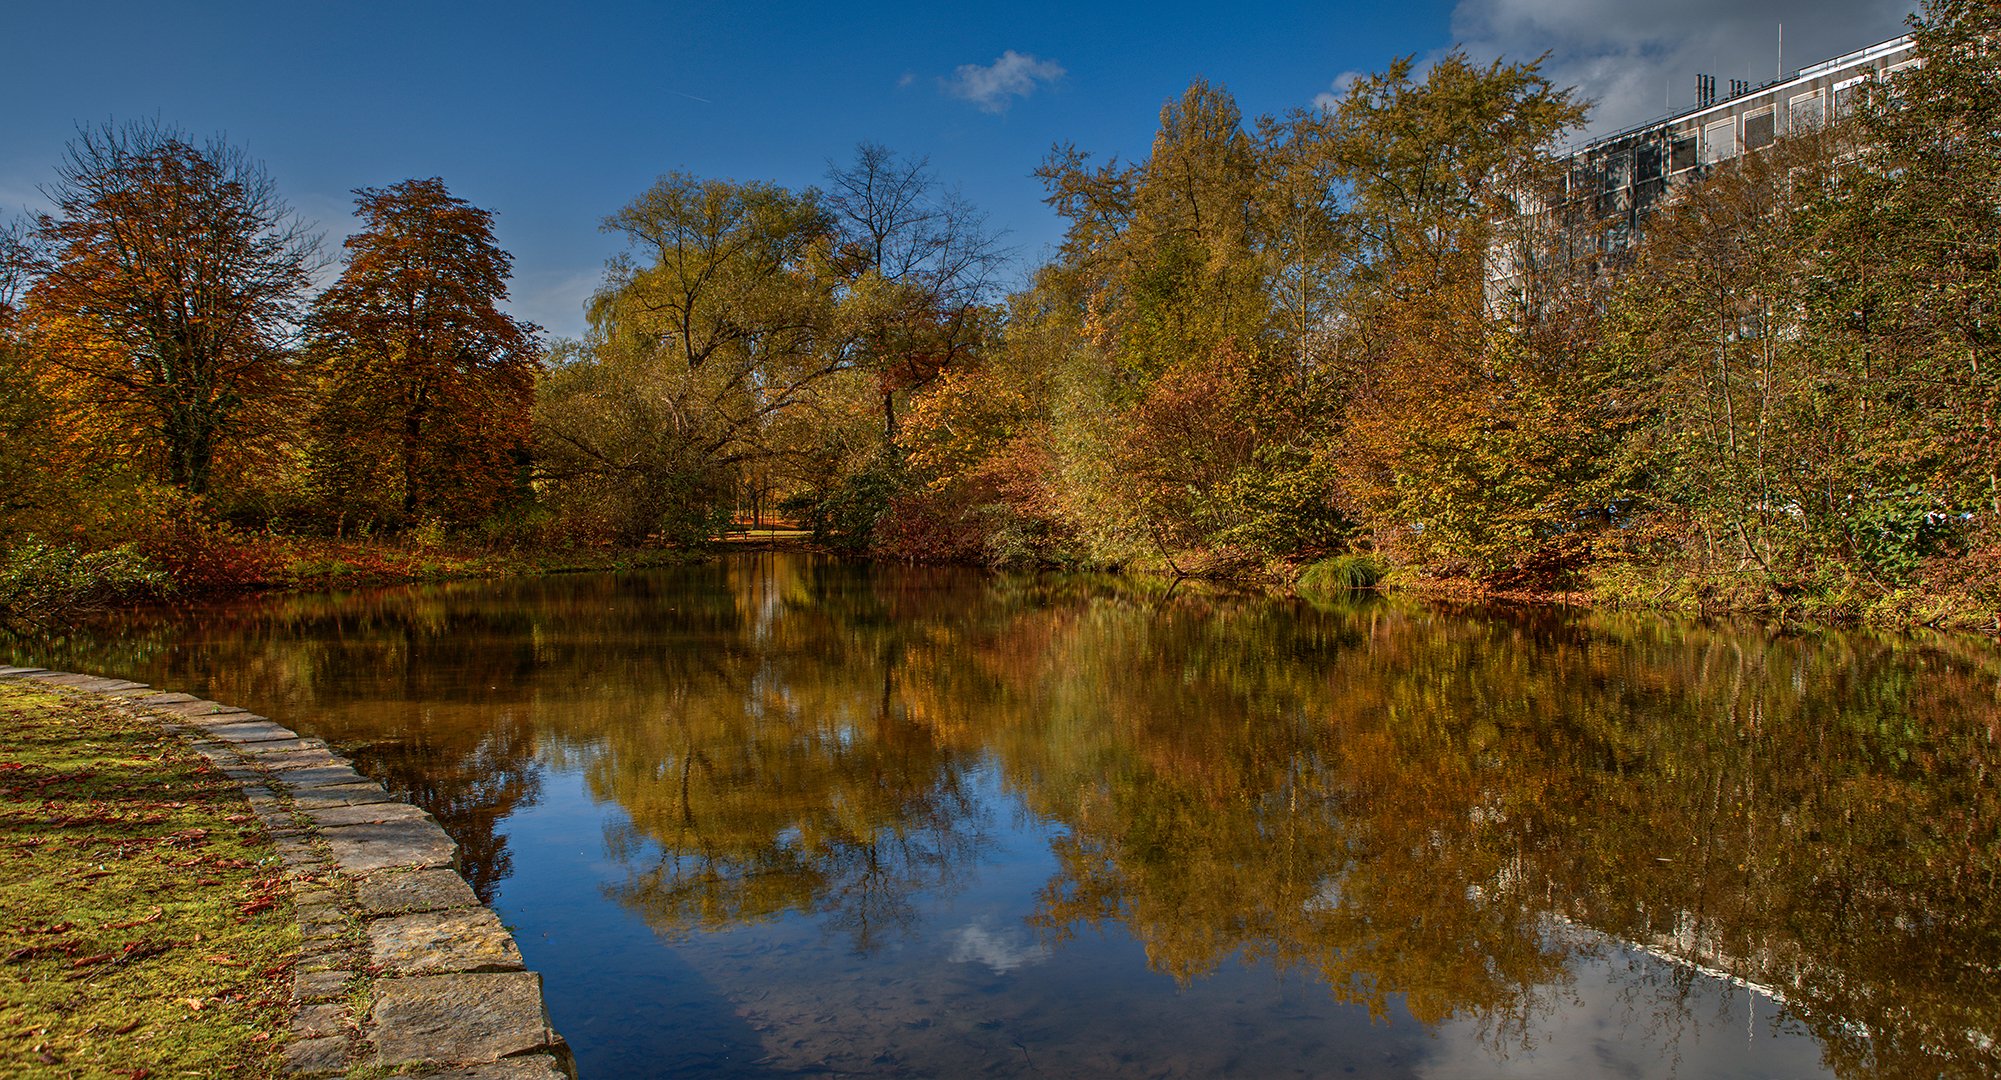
column 40, row 581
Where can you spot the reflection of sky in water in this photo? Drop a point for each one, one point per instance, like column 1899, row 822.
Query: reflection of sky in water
column 972, row 989
column 1000, row 950
column 783, row 817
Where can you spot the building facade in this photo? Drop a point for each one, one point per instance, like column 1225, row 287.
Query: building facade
column 1612, row 183
column 1617, row 179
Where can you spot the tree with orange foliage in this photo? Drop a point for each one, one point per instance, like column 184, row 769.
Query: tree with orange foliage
column 430, row 384
column 167, row 284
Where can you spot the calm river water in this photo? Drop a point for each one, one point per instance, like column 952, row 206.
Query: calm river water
column 781, row 815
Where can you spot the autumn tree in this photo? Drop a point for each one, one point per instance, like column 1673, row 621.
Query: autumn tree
column 1201, row 276
column 1167, row 245
column 919, row 266
column 1463, row 443
column 428, row 383
column 706, row 338
column 914, row 273
column 23, row 407
column 168, row 282
column 981, row 442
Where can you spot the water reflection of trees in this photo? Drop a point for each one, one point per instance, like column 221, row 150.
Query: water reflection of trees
column 421, row 687
column 1406, row 811
column 1405, row 801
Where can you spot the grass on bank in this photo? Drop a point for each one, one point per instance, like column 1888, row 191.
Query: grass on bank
column 145, row 928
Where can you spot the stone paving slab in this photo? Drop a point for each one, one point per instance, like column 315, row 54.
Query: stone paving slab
column 154, row 701
column 319, row 1021
column 366, row 814
column 249, row 731
column 272, row 751
column 318, row 986
column 364, row 849
column 199, row 707
column 322, row 1056
column 323, row 776
column 15, row 671
column 442, row 942
column 221, row 719
column 413, row 891
column 93, row 683
column 357, row 794
column 535, row 1067
column 475, row 1018
column 293, row 761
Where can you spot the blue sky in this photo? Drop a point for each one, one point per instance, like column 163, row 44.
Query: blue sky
column 554, row 116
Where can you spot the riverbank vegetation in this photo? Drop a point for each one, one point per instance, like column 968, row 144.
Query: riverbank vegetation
column 147, row 929
column 1384, row 340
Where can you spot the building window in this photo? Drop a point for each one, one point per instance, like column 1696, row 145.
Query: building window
column 1805, row 113
column 1846, row 94
column 1719, row 140
column 1681, row 156
column 1647, row 163
column 1760, row 130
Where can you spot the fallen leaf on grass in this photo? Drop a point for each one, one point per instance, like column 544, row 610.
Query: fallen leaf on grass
column 126, row 1029
column 139, row 950
column 140, row 921
column 29, row 952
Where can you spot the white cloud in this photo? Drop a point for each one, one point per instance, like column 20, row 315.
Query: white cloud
column 1639, row 60
column 1330, row 98
column 995, row 86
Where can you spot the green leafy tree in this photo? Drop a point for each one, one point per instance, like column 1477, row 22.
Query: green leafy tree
column 1203, row 279
column 1910, row 269
column 707, row 339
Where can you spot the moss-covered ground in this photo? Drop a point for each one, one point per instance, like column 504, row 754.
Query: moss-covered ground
column 145, row 928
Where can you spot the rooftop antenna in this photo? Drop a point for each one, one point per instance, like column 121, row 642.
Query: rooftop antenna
column 1782, row 50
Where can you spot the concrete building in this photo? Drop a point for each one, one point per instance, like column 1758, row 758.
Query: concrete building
column 1613, row 182
column 1617, row 179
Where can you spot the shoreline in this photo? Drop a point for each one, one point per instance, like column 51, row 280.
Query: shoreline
column 341, row 566
column 401, row 965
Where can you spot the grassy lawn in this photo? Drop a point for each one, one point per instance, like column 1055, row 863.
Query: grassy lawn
column 145, row 930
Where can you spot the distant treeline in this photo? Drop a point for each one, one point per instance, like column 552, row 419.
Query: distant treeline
column 1270, row 346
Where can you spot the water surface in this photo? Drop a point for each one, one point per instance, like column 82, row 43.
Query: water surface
column 781, row 815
